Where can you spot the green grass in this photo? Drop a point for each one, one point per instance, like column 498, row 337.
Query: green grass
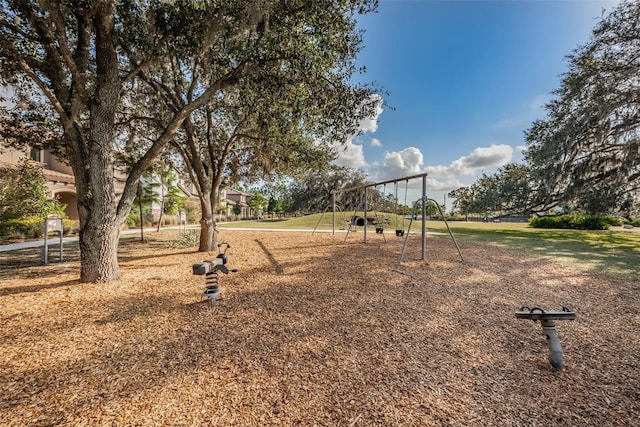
column 309, row 222
column 614, row 251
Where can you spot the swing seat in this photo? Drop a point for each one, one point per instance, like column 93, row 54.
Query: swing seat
column 399, row 233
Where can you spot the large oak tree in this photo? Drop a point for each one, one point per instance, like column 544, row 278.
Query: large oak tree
column 283, row 117
column 589, row 142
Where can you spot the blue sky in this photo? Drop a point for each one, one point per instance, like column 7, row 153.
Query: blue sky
column 465, row 80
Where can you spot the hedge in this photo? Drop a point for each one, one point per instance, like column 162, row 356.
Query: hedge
column 31, row 227
column 575, row 222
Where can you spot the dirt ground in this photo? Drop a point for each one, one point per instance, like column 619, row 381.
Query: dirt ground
column 313, row 331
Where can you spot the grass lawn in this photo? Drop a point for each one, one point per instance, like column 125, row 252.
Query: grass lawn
column 615, row 250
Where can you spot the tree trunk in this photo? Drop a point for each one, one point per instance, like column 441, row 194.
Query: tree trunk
column 99, row 252
column 99, row 224
column 208, row 231
column 161, row 217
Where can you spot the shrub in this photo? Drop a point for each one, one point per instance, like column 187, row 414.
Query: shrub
column 24, row 194
column 573, row 222
column 545, row 222
column 189, row 239
column 613, row 221
column 29, row 227
column 70, row 226
column 595, row 223
column 133, row 219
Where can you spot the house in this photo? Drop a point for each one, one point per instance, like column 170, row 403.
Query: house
column 59, row 176
column 61, row 184
column 231, row 198
column 185, row 189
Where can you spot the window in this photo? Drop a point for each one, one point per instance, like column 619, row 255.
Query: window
column 35, row 154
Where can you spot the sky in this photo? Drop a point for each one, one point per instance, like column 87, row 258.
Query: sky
column 465, row 80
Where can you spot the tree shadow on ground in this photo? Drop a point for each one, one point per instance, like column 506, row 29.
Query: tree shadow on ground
column 22, row 262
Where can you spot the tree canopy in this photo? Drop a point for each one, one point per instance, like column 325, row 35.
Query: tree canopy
column 102, row 76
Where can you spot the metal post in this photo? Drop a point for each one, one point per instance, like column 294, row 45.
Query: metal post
column 424, row 217
column 52, row 222
column 444, row 218
column 366, row 206
column 46, row 247
column 333, row 217
column 555, row 349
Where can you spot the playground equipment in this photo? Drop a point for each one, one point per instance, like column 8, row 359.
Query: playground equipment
column 366, row 205
column 546, row 319
column 210, row 269
column 400, row 231
column 366, row 220
column 423, row 202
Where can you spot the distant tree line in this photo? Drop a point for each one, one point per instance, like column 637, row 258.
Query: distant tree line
column 313, row 192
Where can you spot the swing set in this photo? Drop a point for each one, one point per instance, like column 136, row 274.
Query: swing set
column 365, row 220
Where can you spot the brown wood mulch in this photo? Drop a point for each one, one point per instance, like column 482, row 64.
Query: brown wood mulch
column 314, row 331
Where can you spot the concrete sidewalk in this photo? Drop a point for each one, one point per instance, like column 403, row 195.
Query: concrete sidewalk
column 55, row 240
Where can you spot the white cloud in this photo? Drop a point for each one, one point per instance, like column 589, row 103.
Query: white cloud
column 410, row 161
column 370, row 124
column 375, row 142
column 447, row 185
column 351, row 155
column 398, row 164
column 480, row 158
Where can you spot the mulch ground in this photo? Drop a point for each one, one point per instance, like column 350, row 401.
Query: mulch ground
column 314, row 331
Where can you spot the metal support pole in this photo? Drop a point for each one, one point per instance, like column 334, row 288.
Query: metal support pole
column 366, row 208
column 46, row 246
column 333, row 218
column 424, row 217
column 555, row 349
column 444, row 218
